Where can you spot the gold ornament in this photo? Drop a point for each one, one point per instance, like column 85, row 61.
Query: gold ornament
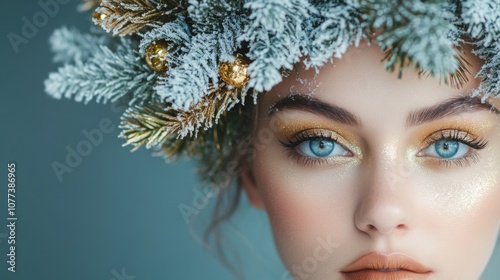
column 100, row 15
column 235, row 73
column 156, row 55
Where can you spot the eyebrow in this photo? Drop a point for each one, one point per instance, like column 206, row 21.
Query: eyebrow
column 315, row 106
column 450, row 107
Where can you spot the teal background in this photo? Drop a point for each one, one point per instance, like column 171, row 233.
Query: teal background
column 116, row 213
column 116, row 209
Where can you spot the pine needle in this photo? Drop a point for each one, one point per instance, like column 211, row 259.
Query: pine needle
column 154, row 124
column 123, row 17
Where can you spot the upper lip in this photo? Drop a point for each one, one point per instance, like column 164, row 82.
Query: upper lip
column 383, row 261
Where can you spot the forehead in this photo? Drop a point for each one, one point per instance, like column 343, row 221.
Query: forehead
column 359, row 83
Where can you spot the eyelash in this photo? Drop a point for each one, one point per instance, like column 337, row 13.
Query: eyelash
column 303, row 136
column 465, row 137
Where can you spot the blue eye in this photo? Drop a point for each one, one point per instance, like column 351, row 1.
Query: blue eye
column 448, row 149
column 319, row 148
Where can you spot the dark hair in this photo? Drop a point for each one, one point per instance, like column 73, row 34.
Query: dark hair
column 221, row 170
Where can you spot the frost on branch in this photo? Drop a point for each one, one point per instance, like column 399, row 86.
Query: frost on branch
column 196, row 66
column 106, row 76
column 276, row 36
column 69, row 44
column 334, row 27
column 419, row 32
column 482, row 18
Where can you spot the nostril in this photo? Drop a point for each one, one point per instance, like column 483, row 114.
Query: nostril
column 401, row 226
column 381, row 216
column 385, row 230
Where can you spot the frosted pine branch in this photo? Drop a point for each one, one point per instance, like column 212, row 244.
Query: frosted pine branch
column 106, row 76
column 490, row 85
column 223, row 19
column 227, row 38
column 122, row 17
column 177, row 33
column 189, row 81
column 206, row 13
column 482, row 18
column 332, row 30
column 418, row 32
column 69, row 44
column 275, row 34
column 154, row 124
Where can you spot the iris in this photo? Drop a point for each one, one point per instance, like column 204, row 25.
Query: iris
column 321, row 148
column 447, row 148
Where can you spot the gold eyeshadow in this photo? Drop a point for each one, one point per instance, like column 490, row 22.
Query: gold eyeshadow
column 473, row 128
column 289, row 129
column 468, row 131
column 473, row 133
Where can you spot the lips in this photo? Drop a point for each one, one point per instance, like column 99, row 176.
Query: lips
column 379, row 266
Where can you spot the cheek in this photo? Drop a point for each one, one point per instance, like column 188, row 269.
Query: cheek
column 461, row 212
column 467, row 196
column 454, row 213
column 306, row 209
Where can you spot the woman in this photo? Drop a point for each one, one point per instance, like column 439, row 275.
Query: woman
column 364, row 173
column 399, row 177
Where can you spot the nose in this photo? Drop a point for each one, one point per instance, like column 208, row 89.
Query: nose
column 383, row 206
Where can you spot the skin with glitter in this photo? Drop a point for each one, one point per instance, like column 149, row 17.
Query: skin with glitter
column 368, row 163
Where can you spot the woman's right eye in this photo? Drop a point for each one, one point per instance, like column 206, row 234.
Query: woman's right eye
column 321, row 148
column 312, row 147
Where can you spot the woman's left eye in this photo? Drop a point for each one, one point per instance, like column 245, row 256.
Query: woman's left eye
column 320, row 148
column 447, row 149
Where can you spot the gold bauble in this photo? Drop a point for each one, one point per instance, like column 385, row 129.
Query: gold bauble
column 235, row 73
column 100, row 15
column 156, row 55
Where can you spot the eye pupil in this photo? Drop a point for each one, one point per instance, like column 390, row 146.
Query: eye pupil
column 321, row 148
column 447, row 148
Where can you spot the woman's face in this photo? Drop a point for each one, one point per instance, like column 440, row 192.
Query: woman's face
column 363, row 162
